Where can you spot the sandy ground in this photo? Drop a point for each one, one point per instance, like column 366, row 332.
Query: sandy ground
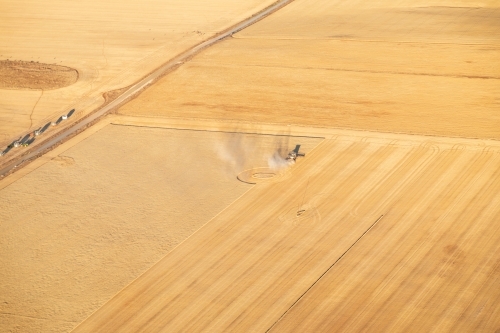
column 82, row 226
column 111, row 45
column 388, row 66
column 394, row 234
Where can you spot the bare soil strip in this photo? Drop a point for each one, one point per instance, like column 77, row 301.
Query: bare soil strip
column 35, row 75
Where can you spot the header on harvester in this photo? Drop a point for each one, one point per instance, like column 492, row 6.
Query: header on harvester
column 292, row 156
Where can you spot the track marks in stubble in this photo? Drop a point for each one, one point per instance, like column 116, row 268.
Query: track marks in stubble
column 452, row 191
column 254, row 267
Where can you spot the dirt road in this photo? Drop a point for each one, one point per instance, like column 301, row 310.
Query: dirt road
column 141, row 85
column 111, row 47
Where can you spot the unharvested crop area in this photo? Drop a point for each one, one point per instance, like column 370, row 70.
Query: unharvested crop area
column 394, row 66
column 34, row 75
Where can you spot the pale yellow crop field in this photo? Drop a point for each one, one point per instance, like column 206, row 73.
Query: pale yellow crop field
column 378, row 233
column 80, row 227
column 388, row 224
column 391, row 66
column 111, row 44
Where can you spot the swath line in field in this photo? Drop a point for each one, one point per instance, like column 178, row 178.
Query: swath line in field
column 324, row 273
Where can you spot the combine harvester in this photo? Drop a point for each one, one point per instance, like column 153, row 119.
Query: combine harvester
column 292, row 156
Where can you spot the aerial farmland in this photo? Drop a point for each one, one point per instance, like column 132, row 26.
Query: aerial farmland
column 290, row 166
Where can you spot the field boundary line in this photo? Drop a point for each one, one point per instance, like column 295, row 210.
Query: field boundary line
column 358, row 40
column 163, row 257
column 125, row 119
column 135, row 89
column 228, row 131
column 204, row 225
column 324, row 273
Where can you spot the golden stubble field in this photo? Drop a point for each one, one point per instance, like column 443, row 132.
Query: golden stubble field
column 111, row 44
column 391, row 66
column 388, row 227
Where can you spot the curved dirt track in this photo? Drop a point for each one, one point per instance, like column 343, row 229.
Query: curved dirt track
column 139, row 86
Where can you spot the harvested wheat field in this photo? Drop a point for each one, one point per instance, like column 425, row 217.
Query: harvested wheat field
column 368, row 234
column 185, row 212
column 109, row 44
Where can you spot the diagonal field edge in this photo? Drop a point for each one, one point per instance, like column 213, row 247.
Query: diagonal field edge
column 329, row 268
column 142, row 84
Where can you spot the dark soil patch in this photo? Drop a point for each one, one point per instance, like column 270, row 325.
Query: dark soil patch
column 34, row 75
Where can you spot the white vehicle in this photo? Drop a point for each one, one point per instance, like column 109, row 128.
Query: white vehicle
column 64, row 117
column 292, row 156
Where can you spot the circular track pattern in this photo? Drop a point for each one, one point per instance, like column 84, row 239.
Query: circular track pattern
column 264, row 175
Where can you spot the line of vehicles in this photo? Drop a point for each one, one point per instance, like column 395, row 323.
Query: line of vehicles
column 30, row 137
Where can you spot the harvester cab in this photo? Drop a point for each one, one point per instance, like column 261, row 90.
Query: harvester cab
column 292, row 156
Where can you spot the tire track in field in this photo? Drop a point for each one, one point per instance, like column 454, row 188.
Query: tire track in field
column 435, row 164
column 405, row 165
column 483, row 196
column 416, row 227
column 288, row 277
column 330, row 231
column 407, row 238
column 423, row 217
column 241, row 244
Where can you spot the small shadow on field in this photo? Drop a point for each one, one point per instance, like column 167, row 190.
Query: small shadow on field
column 25, row 139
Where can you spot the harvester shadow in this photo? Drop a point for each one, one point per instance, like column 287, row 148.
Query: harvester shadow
column 25, row 139
column 6, row 150
column 44, row 128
